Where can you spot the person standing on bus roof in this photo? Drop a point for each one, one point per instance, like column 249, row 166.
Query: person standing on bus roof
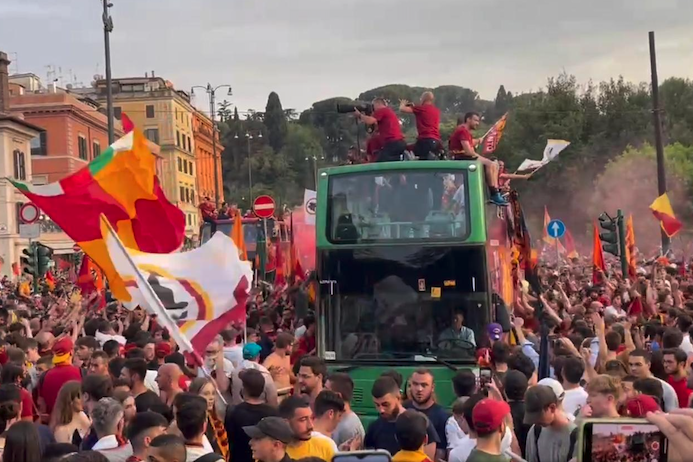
column 461, row 146
column 427, row 117
column 388, row 128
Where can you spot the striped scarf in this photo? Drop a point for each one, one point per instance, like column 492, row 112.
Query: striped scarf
column 220, row 437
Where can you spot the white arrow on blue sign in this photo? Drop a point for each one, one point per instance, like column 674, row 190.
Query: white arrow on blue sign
column 555, row 229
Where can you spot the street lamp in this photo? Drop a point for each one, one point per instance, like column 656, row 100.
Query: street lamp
column 211, row 91
column 107, row 29
column 315, row 167
column 249, row 137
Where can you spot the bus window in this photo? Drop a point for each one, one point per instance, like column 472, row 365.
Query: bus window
column 393, row 206
column 250, row 233
column 395, row 302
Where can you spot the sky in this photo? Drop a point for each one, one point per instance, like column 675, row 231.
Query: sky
column 309, row 50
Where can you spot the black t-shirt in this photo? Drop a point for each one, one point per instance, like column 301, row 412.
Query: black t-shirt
column 146, row 400
column 517, row 411
column 438, row 416
column 237, row 417
column 381, row 435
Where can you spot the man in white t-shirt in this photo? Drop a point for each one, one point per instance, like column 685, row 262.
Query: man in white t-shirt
column 570, row 373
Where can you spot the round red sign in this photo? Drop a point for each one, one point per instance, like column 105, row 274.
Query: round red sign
column 29, row 213
column 263, row 206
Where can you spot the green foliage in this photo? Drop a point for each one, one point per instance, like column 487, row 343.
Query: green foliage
column 275, row 121
column 224, row 111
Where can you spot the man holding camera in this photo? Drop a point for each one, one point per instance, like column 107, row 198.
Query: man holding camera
column 427, row 115
column 389, row 130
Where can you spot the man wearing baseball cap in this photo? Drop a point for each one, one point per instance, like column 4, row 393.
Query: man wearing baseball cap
column 269, row 439
column 553, row 435
column 251, row 360
column 62, row 372
column 488, row 417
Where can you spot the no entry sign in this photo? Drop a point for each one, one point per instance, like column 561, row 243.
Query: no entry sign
column 263, row 206
column 29, row 213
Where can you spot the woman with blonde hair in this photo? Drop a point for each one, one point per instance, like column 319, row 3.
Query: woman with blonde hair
column 69, row 422
column 216, row 432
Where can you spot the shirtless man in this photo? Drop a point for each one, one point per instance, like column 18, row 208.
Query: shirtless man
column 278, row 362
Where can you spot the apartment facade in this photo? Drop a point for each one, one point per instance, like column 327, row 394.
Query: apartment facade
column 205, row 159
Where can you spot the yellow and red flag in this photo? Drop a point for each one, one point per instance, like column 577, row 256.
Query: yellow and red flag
column 493, row 136
column 630, row 249
column 237, row 236
column 571, row 251
column 121, row 184
column 661, row 209
column 597, row 257
column 545, row 237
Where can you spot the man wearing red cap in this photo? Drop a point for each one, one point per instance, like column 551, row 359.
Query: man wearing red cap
column 63, row 371
column 488, row 418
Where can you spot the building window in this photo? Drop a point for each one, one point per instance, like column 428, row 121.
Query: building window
column 187, row 195
column 17, row 207
column 182, row 194
column 185, row 166
column 177, row 138
column 152, row 134
column 117, row 112
column 95, row 149
column 180, row 164
column 19, row 165
column 189, row 145
column 192, row 196
column 83, row 149
column 191, row 168
column 150, row 111
column 39, row 144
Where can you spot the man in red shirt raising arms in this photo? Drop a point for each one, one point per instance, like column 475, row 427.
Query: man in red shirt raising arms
column 389, row 131
column 62, row 372
column 427, row 116
column 461, row 147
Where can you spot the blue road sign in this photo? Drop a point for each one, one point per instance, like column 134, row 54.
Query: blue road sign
column 555, row 229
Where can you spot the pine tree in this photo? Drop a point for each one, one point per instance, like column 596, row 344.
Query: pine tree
column 275, row 121
column 235, row 114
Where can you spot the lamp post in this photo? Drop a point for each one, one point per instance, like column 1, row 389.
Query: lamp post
column 211, row 91
column 107, row 29
column 315, row 167
column 249, row 137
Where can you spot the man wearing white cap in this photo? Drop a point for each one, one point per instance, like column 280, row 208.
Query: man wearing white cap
column 558, row 390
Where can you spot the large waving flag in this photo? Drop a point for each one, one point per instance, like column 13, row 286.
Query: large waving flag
column 630, row 249
column 493, row 136
column 121, row 184
column 597, row 257
column 238, row 236
column 571, row 251
column 545, row 237
column 551, row 151
column 195, row 294
column 661, row 208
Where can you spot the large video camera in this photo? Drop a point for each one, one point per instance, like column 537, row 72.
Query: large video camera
column 362, row 106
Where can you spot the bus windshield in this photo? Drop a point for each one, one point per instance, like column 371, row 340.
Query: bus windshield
column 395, row 302
column 399, row 205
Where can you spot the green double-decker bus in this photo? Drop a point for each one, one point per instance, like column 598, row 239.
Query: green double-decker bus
column 402, row 247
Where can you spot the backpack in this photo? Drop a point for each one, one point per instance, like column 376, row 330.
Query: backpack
column 571, row 447
column 210, row 457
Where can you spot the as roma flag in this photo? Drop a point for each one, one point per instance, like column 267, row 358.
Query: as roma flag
column 661, row 209
column 597, row 257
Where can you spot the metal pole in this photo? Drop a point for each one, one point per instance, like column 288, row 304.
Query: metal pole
column 621, row 229
column 315, row 169
column 656, row 113
column 212, row 106
column 107, row 29
column 36, row 262
column 558, row 255
column 250, row 173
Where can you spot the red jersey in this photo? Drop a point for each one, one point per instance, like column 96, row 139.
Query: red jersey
column 27, row 403
column 682, row 391
column 427, row 122
column 460, row 134
column 54, row 380
column 374, row 144
column 388, row 125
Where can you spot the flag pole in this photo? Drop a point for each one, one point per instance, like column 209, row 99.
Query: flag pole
column 151, row 298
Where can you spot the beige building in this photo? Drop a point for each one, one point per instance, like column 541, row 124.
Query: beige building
column 15, row 162
column 165, row 116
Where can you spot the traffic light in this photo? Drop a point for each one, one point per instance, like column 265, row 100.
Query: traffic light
column 44, row 255
column 29, row 261
column 610, row 235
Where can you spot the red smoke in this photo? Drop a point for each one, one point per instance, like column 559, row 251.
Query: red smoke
column 304, row 240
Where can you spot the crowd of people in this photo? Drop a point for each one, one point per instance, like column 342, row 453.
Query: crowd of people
column 78, row 383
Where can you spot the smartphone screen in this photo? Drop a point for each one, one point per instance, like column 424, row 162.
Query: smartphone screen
column 362, row 456
column 626, row 442
column 484, row 376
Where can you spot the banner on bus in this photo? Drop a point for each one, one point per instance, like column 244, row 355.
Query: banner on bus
column 309, row 206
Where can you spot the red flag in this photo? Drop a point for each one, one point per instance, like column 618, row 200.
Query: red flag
column 571, row 251
column 493, row 137
column 630, row 249
column 597, row 257
column 279, row 279
column 635, row 307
